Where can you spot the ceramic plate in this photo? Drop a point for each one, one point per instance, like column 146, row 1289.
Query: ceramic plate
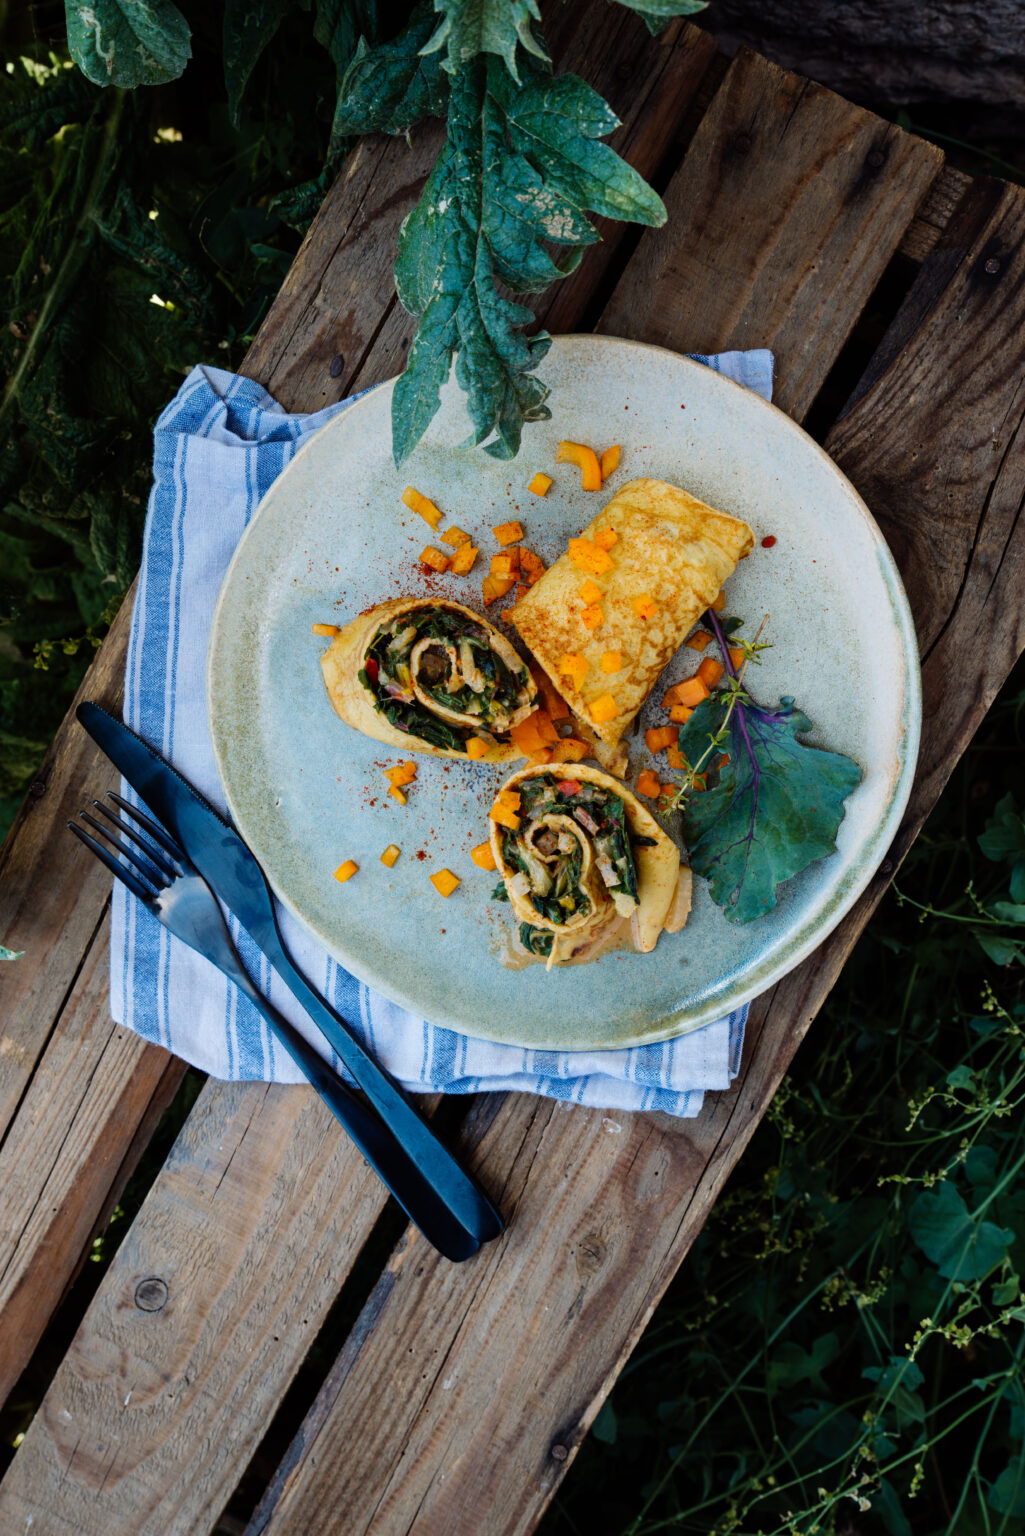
column 332, row 538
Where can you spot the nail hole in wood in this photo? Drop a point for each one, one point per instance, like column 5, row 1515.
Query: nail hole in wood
column 151, row 1294
column 337, row 364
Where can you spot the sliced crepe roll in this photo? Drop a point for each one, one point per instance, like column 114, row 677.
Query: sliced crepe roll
column 584, row 855
column 430, row 676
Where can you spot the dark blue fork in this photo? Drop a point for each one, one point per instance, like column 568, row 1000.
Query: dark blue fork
column 436, row 1194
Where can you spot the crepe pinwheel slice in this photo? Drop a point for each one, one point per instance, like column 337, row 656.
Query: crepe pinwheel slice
column 429, row 676
column 583, row 861
column 658, row 559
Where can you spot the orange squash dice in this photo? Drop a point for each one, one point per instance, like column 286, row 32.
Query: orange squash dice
column 676, row 759
column 645, row 606
column 505, row 564
column 737, row 657
column 661, row 736
column 508, row 533
column 612, row 661
column 417, row 503
column 390, row 854
column 476, row 748
column 610, row 461
column 710, row 671
column 681, row 713
column 593, row 616
column 535, row 732
column 346, row 871
column 699, row 640
column 720, row 603
column 541, row 484
column 504, row 816
column 648, row 784
column 496, row 586
column 435, row 559
column 444, row 882
column 455, row 536
column 532, row 567
column 590, row 591
column 462, row 560
column 574, row 667
column 483, row 857
column 586, row 460
column 604, row 708
column 398, row 794
column 690, row 692
column 325, row 629
column 587, row 557
column 606, row 537
column 551, row 698
column 570, row 750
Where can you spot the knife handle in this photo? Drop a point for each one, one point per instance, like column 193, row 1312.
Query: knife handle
column 452, row 1184
column 434, row 1191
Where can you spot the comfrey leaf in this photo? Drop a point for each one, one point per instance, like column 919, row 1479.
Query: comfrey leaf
column 471, row 27
column 775, row 809
column 128, row 42
column 655, row 13
column 391, row 88
column 519, row 167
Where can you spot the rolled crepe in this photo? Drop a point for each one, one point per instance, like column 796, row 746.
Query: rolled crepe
column 670, row 548
column 582, row 860
column 427, row 676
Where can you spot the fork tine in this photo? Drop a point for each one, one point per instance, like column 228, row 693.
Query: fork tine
column 154, row 828
column 149, row 872
column 117, row 869
column 157, row 858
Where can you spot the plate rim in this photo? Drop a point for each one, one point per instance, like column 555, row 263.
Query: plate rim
column 800, row 944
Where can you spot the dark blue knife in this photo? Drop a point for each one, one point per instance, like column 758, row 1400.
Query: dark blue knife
column 436, row 1193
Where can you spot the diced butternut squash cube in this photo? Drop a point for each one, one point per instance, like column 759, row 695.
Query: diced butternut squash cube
column 667, row 791
column 505, row 564
column 390, row 854
column 456, row 537
column 483, row 857
column 541, row 484
column 325, row 629
column 721, row 762
column 435, row 559
column 606, row 537
column 346, row 871
column 551, row 698
column 510, row 797
column 398, row 794
column 648, row 784
column 604, row 708
column 508, row 533
column 590, row 591
column 645, row 606
column 676, row 759
column 681, row 713
column 574, row 667
column 570, row 750
column 542, row 755
column 587, row 557
column 462, row 560
column 691, row 692
column 476, row 748
column 610, row 461
column 593, row 616
column 417, row 503
column 496, row 586
column 587, row 461
column 612, row 661
column 698, row 640
column 710, row 671
column 661, row 736
column 535, row 732
column 532, row 567
column 720, row 603
column 444, row 882
column 737, row 657
column 504, row 816
column 402, row 773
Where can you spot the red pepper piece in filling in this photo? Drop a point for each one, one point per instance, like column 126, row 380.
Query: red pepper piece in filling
column 372, row 669
column 568, row 786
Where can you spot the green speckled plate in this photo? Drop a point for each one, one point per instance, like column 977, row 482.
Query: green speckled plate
column 332, row 537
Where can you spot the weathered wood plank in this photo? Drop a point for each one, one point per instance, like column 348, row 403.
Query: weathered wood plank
column 934, row 214
column 66, row 1152
column 847, row 185
column 481, row 1389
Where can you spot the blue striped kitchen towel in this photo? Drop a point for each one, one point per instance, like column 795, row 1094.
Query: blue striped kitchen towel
column 217, row 448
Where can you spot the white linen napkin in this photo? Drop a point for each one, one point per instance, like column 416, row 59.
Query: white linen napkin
column 217, row 448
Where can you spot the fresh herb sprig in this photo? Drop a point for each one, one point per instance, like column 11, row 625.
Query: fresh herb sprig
column 776, row 804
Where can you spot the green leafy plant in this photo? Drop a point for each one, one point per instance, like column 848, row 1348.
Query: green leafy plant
column 521, row 167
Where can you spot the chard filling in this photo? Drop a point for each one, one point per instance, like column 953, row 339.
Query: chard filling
column 434, row 673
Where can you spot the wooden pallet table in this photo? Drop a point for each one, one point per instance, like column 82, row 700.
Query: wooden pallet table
column 460, row 1395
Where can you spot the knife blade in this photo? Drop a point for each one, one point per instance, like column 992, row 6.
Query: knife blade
column 234, row 875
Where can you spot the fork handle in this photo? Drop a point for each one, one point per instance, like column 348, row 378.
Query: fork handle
column 421, row 1191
